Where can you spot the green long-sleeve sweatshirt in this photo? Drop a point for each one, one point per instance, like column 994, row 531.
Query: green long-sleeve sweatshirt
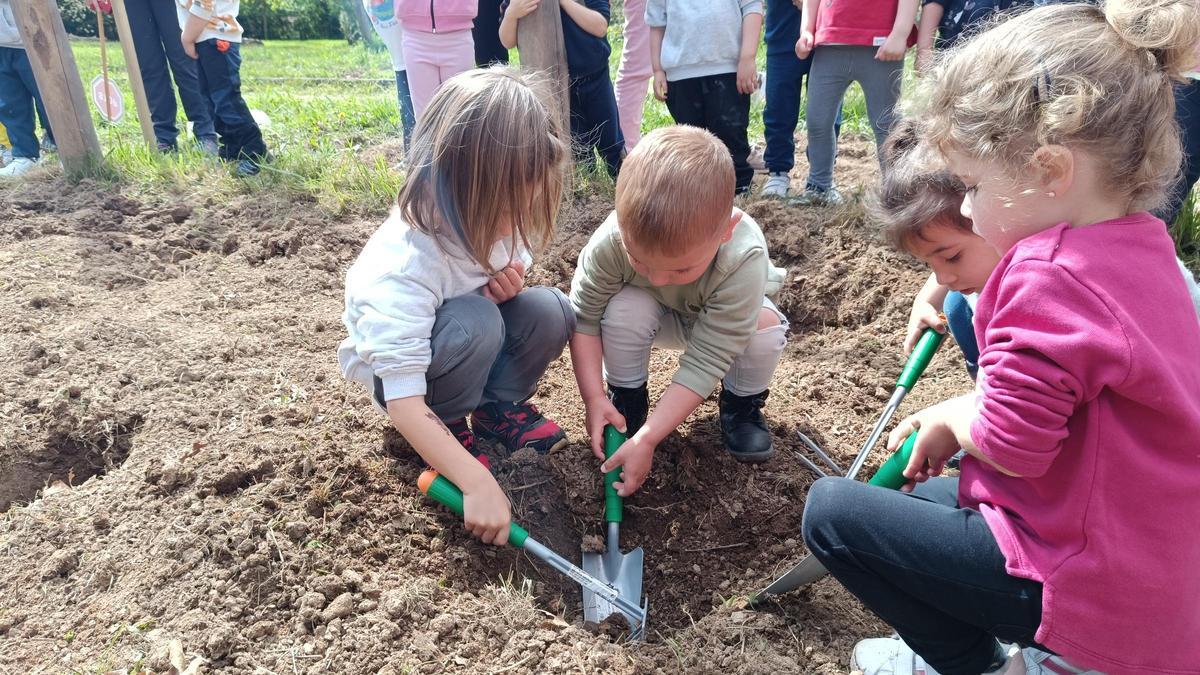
column 722, row 305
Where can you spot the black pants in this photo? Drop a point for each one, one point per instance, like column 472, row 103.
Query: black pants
column 220, row 79
column 595, row 122
column 1187, row 113
column 929, row 568
column 486, row 32
column 713, row 102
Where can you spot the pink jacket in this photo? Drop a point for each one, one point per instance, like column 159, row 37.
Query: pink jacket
column 1090, row 391
column 437, row 16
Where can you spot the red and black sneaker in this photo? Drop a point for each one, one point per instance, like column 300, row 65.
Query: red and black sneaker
column 516, row 426
column 463, row 433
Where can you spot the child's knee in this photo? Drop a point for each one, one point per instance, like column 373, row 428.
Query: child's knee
column 767, row 318
column 543, row 310
column 468, row 328
column 632, row 311
column 826, row 501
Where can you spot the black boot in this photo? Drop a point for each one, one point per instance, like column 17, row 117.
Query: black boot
column 743, row 427
column 633, row 403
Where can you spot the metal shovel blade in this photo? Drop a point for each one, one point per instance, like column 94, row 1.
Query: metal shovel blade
column 807, row 571
column 622, row 571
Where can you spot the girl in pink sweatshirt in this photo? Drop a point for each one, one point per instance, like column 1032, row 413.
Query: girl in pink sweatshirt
column 1071, row 530
column 437, row 44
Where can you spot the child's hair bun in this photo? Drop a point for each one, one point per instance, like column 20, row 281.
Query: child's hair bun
column 1168, row 29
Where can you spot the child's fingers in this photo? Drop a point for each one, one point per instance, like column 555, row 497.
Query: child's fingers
column 901, row 432
column 519, row 267
column 616, row 419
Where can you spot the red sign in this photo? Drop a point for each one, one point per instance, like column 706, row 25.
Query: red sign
column 110, row 105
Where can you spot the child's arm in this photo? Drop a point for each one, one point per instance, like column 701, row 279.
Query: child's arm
column 945, row 428
column 808, row 27
column 636, row 455
column 747, row 70
column 587, row 360
column 925, row 312
column 660, row 76
column 897, row 41
column 588, row 19
column 485, row 507
column 517, row 10
column 192, row 30
column 931, row 16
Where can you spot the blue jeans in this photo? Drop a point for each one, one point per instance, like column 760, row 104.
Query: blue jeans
column 595, row 122
column 926, row 566
column 786, row 74
column 18, row 102
column 961, row 320
column 220, row 78
column 155, row 28
column 407, row 119
column 1187, row 113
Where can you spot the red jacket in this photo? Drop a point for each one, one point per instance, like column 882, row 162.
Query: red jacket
column 437, row 16
column 857, row 22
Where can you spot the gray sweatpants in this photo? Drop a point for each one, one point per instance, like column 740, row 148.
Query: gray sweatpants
column 488, row 353
column 634, row 322
column 834, row 67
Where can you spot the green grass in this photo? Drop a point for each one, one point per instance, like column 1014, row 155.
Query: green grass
column 1186, row 232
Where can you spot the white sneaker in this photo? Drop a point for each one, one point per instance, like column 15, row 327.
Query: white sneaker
column 891, row 656
column 5, row 156
column 776, row 186
column 19, row 167
column 1038, row 662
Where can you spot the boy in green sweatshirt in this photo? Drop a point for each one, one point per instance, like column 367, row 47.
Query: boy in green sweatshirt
column 678, row 267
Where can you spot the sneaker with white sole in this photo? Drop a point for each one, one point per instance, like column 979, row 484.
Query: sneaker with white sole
column 817, row 197
column 1038, row 662
column 18, row 167
column 891, row 656
column 776, row 186
column 6, row 156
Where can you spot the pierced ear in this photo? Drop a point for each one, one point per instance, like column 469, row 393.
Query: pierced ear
column 1054, row 167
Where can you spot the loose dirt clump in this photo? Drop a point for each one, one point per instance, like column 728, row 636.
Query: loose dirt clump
column 192, row 482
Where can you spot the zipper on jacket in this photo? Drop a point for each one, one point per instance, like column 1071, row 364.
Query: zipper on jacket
column 432, row 17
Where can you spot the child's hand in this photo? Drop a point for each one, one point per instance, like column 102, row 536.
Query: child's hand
column 189, row 47
column 599, row 412
column 486, row 512
column 893, row 48
column 506, row 284
column 938, row 441
column 747, row 76
column 660, row 85
column 523, row 8
column 922, row 316
column 634, row 458
column 804, row 45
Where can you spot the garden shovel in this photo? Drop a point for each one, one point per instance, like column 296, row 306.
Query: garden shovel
column 448, row 495
column 622, row 571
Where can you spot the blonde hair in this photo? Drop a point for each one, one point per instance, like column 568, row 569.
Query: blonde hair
column 675, row 189
column 1096, row 79
column 487, row 151
column 916, row 190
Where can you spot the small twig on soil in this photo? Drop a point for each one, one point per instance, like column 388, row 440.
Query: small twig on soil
column 132, row 276
column 659, row 509
column 531, row 485
column 514, row 666
column 713, row 548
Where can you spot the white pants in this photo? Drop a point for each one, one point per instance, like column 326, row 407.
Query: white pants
column 634, row 322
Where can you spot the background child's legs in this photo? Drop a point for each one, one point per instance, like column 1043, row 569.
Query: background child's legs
column 17, row 102
column 728, row 117
column 930, row 569
column 184, row 70
column 458, row 54
column 752, row 371
column 433, row 58
column 595, row 122
column 468, row 334
column 629, row 328
column 880, row 82
column 407, row 119
column 827, row 81
column 785, row 78
column 634, row 73
column 1187, row 113
column 536, row 326
column 961, row 320
column 220, row 77
column 486, row 35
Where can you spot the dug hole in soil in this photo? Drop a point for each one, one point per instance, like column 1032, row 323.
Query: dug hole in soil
column 188, row 483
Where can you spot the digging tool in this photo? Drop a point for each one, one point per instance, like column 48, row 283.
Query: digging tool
column 448, row 495
column 810, row 570
column 622, row 571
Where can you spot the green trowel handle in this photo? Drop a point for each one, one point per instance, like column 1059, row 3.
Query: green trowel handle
column 448, row 495
column 613, row 504
column 927, row 346
column 891, row 474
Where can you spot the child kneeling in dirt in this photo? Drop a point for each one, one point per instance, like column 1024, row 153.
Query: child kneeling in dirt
column 440, row 325
column 676, row 266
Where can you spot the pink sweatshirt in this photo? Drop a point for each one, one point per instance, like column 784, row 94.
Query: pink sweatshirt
column 1090, row 390
column 437, row 16
column 857, row 22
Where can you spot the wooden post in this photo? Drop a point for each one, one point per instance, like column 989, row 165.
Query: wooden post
column 57, row 76
column 125, row 35
column 540, row 44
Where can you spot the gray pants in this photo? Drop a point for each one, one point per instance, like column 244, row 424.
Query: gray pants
column 834, row 67
column 634, row 322
column 488, row 353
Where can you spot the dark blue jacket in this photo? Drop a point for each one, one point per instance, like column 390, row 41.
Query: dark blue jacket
column 586, row 53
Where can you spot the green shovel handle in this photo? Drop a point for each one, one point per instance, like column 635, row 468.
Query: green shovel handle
column 447, row 494
column 891, row 474
column 613, row 503
column 919, row 360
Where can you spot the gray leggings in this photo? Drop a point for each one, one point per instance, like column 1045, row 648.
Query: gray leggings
column 489, row 353
column 834, row 67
